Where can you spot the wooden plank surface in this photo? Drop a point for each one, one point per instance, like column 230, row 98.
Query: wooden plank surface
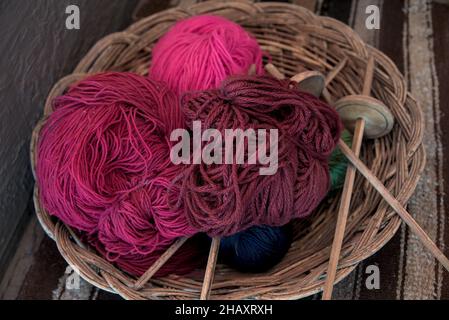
column 37, row 49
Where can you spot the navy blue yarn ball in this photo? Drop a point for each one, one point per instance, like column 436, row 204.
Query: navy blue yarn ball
column 256, row 249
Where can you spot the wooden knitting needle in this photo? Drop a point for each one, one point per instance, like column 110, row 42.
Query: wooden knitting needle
column 159, row 263
column 367, row 117
column 310, row 81
column 395, row 204
column 330, row 76
column 271, row 69
column 210, row 268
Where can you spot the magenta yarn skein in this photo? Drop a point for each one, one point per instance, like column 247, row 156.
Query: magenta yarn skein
column 199, row 52
column 103, row 166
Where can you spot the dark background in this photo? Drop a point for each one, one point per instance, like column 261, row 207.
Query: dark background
column 36, row 50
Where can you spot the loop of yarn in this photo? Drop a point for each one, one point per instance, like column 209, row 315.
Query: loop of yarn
column 199, row 52
column 223, row 199
column 104, row 167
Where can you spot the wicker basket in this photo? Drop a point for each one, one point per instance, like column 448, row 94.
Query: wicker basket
column 293, row 36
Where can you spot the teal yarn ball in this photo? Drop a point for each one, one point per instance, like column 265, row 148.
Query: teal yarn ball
column 338, row 163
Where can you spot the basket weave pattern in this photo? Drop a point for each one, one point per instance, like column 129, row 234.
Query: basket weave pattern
column 293, row 36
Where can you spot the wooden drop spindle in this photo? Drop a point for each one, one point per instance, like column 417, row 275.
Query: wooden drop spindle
column 354, row 110
column 369, row 118
column 307, row 80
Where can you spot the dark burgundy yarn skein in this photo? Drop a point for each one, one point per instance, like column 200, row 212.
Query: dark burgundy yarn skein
column 223, row 199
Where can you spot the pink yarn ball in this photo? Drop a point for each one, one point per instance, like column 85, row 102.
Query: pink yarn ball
column 104, row 168
column 199, row 52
